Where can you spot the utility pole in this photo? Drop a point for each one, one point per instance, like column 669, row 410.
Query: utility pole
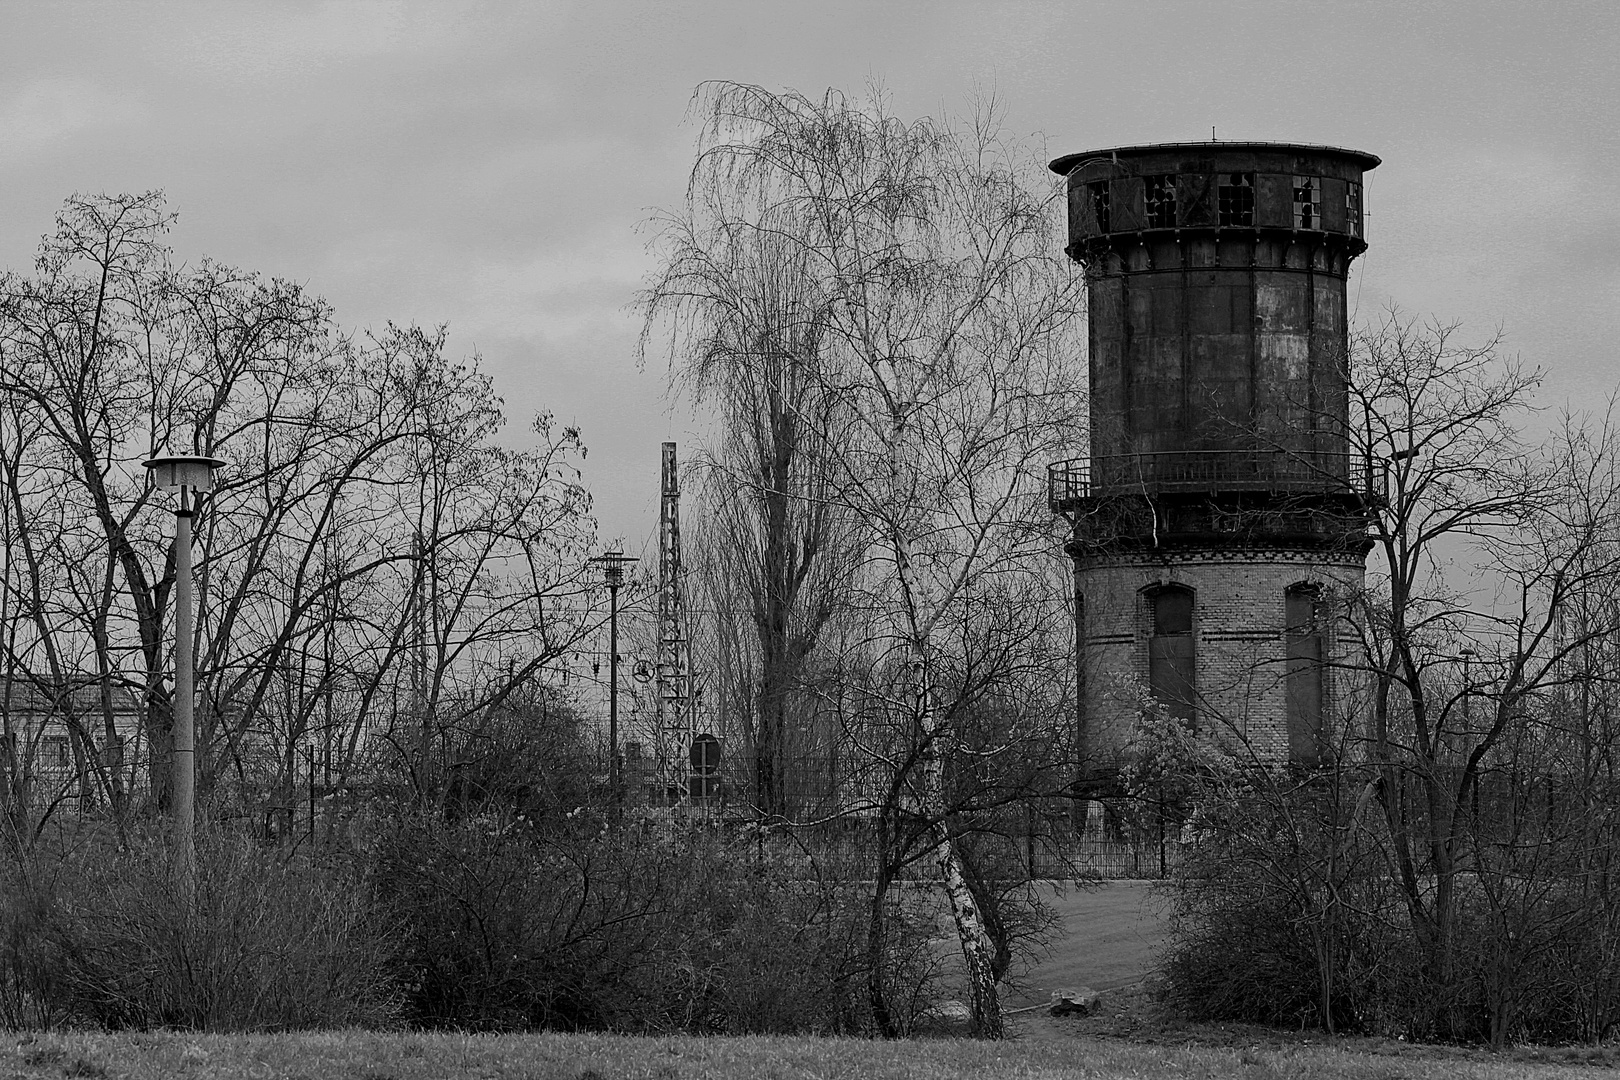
column 613, row 564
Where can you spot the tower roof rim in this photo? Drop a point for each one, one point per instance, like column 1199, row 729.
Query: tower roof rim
column 1065, row 164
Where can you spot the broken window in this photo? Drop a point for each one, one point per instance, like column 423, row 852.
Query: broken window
column 1099, row 203
column 1161, row 202
column 1303, row 676
column 1172, row 674
column 1352, row 208
column 1307, row 202
column 1235, row 199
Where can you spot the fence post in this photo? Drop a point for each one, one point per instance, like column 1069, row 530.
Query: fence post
column 1029, row 839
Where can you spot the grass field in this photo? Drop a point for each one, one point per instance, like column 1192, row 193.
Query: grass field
column 371, row 1056
column 1113, row 934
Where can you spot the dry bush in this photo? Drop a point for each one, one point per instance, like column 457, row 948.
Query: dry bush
column 1280, row 910
column 647, row 927
column 1285, row 910
column 269, row 943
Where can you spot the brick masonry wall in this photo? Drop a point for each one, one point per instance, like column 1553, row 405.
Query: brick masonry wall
column 1239, row 630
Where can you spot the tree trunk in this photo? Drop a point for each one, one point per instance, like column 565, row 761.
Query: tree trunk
column 978, row 951
column 984, row 1000
column 768, row 779
column 877, row 990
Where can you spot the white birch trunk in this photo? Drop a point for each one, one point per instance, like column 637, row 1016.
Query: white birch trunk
column 984, row 999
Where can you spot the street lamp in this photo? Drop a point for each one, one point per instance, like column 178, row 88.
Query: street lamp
column 191, row 476
column 1467, row 657
column 613, row 564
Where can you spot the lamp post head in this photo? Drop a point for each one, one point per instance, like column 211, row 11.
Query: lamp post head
column 613, row 564
column 182, row 472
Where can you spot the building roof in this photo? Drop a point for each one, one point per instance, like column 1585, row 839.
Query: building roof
column 30, row 697
column 1065, row 164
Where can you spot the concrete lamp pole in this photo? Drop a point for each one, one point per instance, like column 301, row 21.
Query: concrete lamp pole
column 613, row 564
column 191, row 477
column 1467, row 656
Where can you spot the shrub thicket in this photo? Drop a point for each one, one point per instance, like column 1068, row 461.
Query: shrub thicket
column 1285, row 910
column 642, row 927
column 104, row 937
column 488, row 922
column 1278, row 915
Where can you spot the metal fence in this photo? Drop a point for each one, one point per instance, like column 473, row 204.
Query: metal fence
column 850, row 846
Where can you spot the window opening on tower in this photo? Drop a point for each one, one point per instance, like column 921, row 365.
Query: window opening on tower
column 1161, row 202
column 1099, row 203
column 1307, row 202
column 1172, row 662
column 1304, row 690
column 1352, row 208
column 1235, row 198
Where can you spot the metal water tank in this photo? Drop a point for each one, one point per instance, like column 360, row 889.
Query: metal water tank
column 1216, row 278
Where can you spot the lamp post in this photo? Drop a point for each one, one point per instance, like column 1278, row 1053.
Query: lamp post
column 1467, row 656
column 613, row 564
column 191, row 477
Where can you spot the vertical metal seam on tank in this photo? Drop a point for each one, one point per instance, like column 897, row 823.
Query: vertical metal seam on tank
column 1341, row 377
column 1311, row 348
column 1185, row 412
column 1254, row 335
column 1127, row 368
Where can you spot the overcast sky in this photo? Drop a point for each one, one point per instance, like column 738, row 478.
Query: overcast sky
column 489, row 165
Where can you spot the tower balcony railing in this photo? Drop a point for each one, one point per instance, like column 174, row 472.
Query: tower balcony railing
column 1213, row 471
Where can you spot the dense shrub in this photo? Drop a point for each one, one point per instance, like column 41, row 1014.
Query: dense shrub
column 1278, row 914
column 651, row 926
column 485, row 922
column 1286, row 910
column 25, row 964
column 104, row 937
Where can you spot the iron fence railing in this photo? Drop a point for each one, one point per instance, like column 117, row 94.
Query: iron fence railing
column 1291, row 471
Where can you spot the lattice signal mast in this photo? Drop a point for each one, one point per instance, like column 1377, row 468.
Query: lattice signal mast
column 674, row 719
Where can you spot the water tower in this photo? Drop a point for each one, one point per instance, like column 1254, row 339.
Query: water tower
column 1219, row 516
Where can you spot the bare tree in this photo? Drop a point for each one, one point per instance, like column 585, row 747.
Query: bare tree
column 926, row 286
column 1459, row 665
column 372, row 560
column 751, row 321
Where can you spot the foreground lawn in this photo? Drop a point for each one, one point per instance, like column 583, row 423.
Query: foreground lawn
column 370, row 1056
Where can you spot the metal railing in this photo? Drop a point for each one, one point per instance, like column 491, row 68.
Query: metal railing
column 1191, row 471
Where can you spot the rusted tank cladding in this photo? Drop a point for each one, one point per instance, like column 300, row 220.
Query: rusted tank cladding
column 1216, row 277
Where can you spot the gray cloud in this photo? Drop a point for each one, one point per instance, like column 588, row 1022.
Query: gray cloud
column 488, row 165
